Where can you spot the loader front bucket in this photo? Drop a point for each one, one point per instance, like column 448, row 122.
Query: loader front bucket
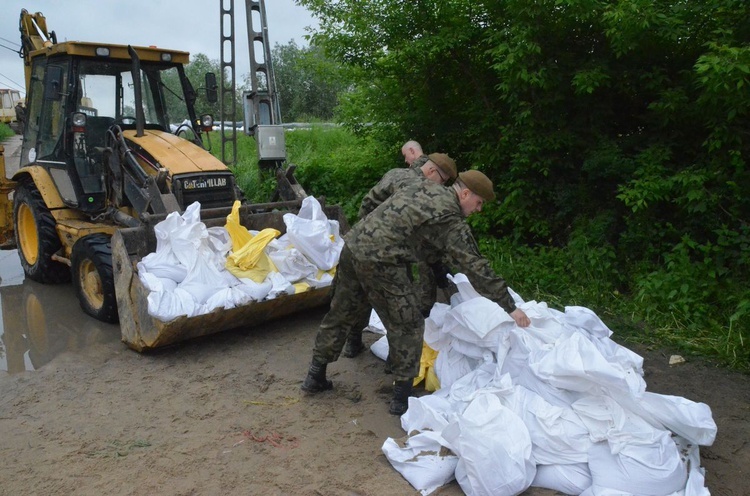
column 142, row 332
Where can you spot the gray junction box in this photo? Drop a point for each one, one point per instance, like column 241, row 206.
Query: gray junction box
column 271, row 143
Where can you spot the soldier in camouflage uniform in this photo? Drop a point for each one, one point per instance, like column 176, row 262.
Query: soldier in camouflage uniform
column 439, row 168
column 413, row 154
column 372, row 272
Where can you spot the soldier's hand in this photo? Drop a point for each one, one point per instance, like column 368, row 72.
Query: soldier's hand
column 520, row 317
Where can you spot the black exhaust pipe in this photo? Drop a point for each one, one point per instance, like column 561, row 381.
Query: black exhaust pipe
column 140, row 119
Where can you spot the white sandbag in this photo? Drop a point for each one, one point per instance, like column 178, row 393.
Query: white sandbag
column 321, row 280
column 607, row 420
column 478, row 321
column 380, row 348
column 576, row 364
column 163, row 264
column 482, row 380
column 689, row 419
column 558, row 435
column 572, row 478
column 152, row 282
column 585, row 318
column 421, row 460
column 696, row 483
column 431, row 412
column 646, row 470
column 219, row 240
column 165, row 261
column 167, row 306
column 256, row 290
column 312, row 233
column 494, row 449
column 229, row 297
column 292, row 264
column 375, row 324
column 451, row 366
column 279, row 285
column 513, row 359
column 203, row 280
column 434, row 324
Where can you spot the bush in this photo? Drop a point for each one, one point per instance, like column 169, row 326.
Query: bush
column 5, row 131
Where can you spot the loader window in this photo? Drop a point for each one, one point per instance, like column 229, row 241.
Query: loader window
column 106, row 89
column 33, row 110
column 52, row 121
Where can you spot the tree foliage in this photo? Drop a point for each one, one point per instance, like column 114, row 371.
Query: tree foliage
column 627, row 118
column 308, row 82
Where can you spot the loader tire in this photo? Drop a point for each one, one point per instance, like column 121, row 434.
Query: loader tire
column 36, row 236
column 91, row 266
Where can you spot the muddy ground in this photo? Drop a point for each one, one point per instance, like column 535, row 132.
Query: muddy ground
column 82, row 414
column 224, row 415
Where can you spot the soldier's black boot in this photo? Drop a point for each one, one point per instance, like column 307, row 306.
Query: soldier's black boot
column 400, row 401
column 316, row 381
column 354, row 345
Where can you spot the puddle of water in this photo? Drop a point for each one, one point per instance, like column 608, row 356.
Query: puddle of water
column 40, row 321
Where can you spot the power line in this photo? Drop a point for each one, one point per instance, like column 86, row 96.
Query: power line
column 14, row 50
column 11, row 41
column 18, row 86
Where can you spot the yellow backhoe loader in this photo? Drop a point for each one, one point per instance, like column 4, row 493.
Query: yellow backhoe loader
column 113, row 145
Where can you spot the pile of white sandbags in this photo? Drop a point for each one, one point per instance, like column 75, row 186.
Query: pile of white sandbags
column 557, row 405
column 195, row 270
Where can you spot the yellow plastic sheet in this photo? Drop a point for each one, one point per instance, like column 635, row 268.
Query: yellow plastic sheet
column 427, row 369
column 248, row 258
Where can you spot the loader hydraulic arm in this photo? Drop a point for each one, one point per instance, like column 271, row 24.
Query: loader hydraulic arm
column 34, row 36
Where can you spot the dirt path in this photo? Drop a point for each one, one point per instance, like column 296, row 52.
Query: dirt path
column 224, row 415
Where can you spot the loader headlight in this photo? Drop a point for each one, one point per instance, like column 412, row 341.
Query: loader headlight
column 78, row 122
column 102, row 51
column 79, row 119
column 166, row 57
column 207, row 122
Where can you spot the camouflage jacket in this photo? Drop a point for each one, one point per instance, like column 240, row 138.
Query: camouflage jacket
column 427, row 215
column 393, row 180
column 419, row 162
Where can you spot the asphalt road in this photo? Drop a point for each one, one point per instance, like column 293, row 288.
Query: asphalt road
column 12, row 154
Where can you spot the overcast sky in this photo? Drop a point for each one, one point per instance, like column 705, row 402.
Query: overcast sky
column 189, row 25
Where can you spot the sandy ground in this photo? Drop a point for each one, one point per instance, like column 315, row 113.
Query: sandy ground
column 224, row 415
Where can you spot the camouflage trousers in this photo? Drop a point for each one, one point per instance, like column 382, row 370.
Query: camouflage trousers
column 360, row 286
column 426, row 287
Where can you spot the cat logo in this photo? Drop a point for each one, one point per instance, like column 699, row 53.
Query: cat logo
column 211, row 182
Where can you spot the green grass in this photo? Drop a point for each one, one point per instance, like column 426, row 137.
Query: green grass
column 330, row 162
column 5, row 131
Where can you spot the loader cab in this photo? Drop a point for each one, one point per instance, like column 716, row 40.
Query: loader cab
column 75, row 98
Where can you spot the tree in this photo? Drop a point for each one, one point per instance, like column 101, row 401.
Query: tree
column 308, row 83
column 628, row 119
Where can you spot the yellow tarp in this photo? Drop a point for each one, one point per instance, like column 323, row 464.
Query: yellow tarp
column 249, row 258
column 427, row 369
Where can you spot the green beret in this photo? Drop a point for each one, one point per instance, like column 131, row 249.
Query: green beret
column 446, row 164
column 478, row 183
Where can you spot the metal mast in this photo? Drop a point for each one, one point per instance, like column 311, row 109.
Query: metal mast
column 227, row 101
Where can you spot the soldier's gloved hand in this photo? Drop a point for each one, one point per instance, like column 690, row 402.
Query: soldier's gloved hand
column 440, row 272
